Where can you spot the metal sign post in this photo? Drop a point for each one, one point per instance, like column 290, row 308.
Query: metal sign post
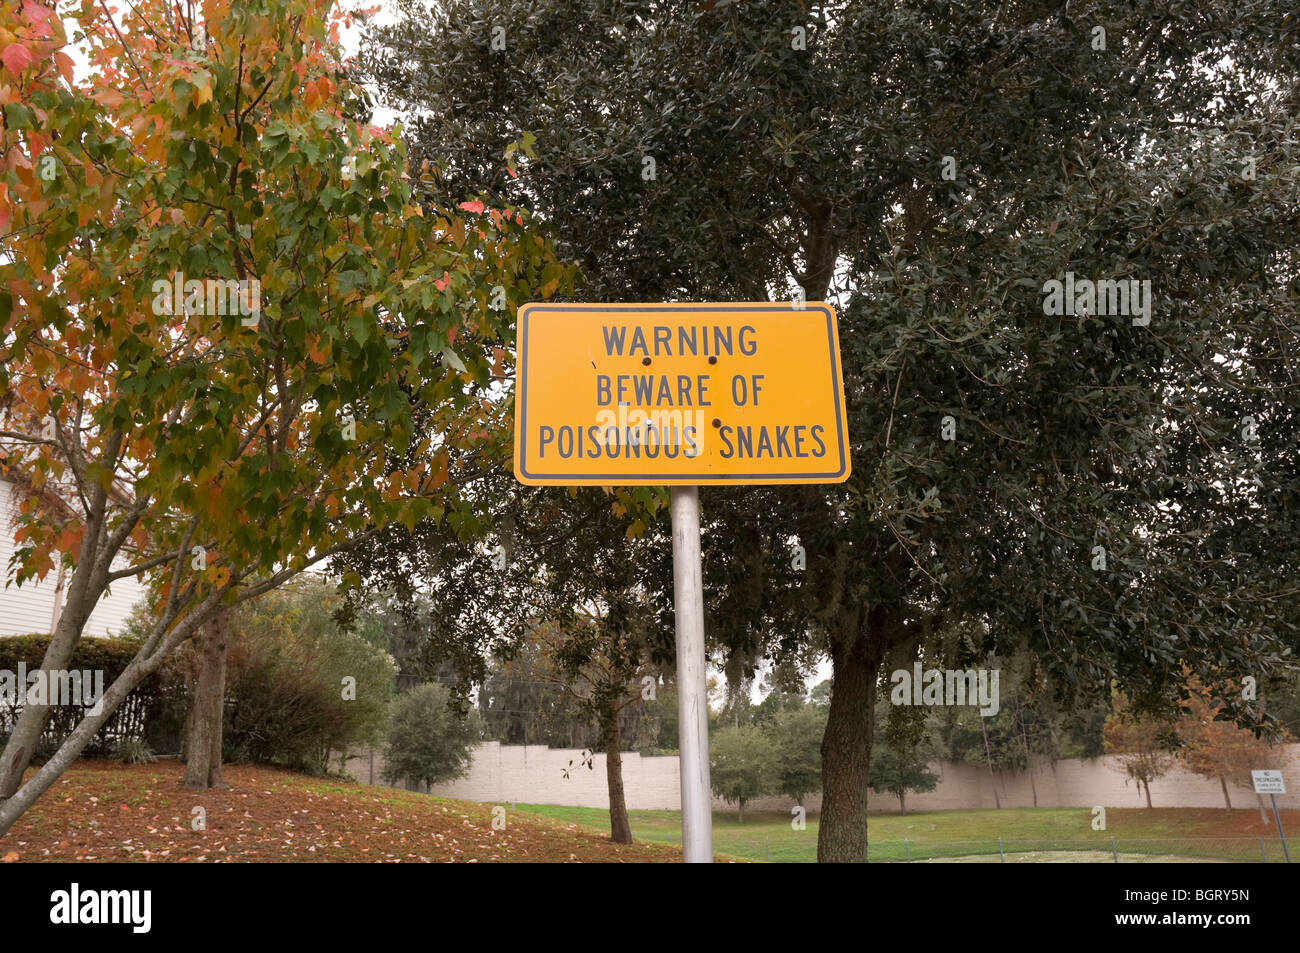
column 1271, row 783
column 692, row 699
column 1286, row 855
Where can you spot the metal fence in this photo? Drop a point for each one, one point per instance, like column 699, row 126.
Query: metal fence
column 1101, row 849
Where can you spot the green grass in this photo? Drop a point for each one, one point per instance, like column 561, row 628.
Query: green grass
column 1028, row 834
column 729, row 837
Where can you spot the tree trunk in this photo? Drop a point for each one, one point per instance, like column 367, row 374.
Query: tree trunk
column 988, row 755
column 620, row 830
column 89, row 579
column 856, row 652
column 1224, row 784
column 902, row 802
column 1029, row 762
column 741, row 817
column 203, row 743
column 32, row 720
column 135, row 672
column 1147, row 786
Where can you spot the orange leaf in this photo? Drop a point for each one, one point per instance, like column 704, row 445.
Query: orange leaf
column 64, row 62
column 440, row 476
column 108, row 96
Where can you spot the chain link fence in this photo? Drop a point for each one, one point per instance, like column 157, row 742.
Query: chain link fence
column 1101, row 849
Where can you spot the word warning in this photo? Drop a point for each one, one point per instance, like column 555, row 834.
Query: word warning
column 624, row 394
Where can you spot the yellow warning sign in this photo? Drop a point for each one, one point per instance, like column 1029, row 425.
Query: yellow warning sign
column 622, row 394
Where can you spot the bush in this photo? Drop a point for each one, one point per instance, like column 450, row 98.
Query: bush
column 289, row 698
column 428, row 741
column 134, row 751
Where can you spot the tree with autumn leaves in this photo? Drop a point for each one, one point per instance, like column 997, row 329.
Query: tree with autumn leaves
column 1201, row 736
column 1143, row 744
column 1214, row 746
column 219, row 454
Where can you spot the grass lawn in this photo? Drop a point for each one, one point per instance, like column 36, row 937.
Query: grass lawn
column 105, row 811
column 1028, row 834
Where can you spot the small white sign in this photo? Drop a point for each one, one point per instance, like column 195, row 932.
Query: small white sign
column 1268, row 782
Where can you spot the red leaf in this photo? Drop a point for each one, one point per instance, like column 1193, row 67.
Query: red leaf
column 475, row 206
column 16, row 57
column 35, row 13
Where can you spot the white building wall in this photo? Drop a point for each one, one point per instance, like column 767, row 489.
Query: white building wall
column 30, row 607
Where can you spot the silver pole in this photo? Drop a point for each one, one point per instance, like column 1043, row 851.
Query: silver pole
column 692, row 702
column 1276, row 816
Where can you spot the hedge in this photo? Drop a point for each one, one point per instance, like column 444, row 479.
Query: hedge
column 148, row 714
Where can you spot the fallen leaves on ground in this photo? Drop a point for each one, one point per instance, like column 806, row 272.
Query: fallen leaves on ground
column 105, row 811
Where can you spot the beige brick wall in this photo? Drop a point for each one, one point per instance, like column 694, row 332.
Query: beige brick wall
column 534, row 774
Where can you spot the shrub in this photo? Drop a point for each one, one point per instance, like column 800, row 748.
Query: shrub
column 288, row 700
column 134, row 751
column 428, row 741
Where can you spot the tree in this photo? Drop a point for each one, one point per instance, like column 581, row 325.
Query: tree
column 662, row 717
column 1026, row 726
column 897, row 772
column 903, row 754
column 930, row 168
column 741, row 764
column 1214, row 747
column 224, row 309
column 1283, row 701
column 796, row 731
column 428, row 740
column 562, row 576
column 1141, row 742
column 599, row 660
column 520, row 704
column 527, row 699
